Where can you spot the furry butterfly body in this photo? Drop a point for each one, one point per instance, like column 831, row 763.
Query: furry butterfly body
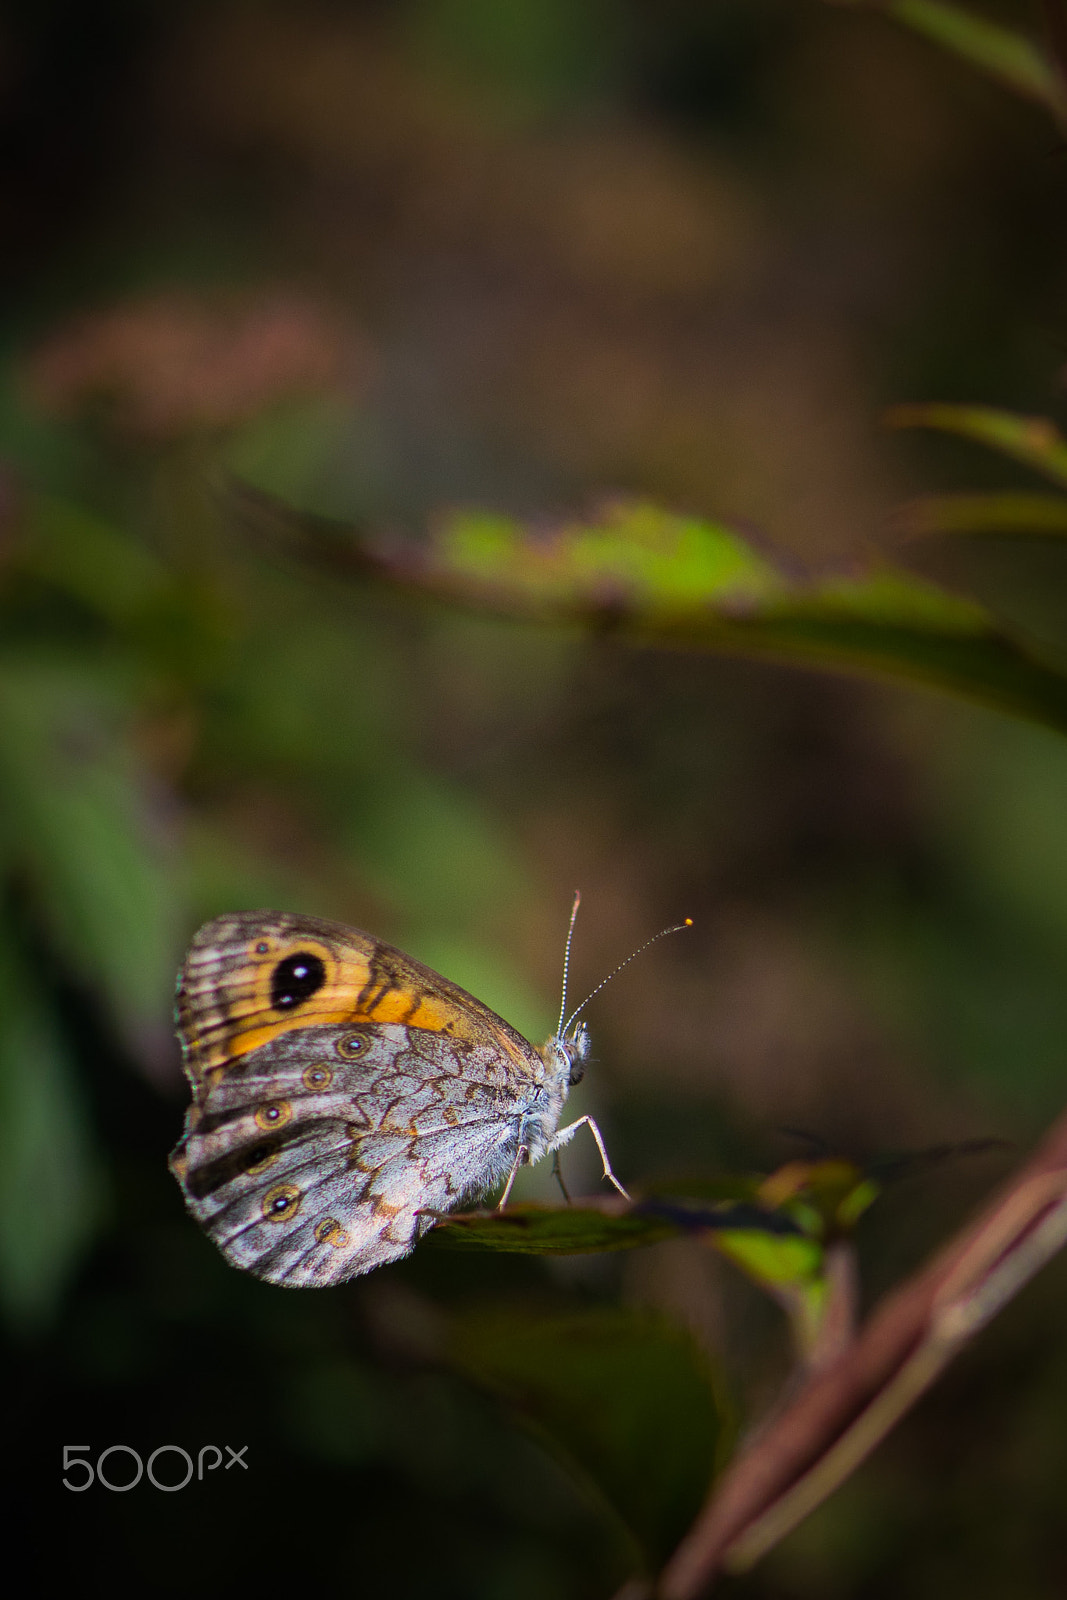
column 343, row 1093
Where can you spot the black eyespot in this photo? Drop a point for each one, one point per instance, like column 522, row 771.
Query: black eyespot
column 295, row 980
column 262, row 947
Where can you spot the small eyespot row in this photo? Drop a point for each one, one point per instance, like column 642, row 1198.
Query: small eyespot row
column 317, row 1076
column 329, row 1231
column 351, row 1045
column 281, row 1202
column 275, row 1114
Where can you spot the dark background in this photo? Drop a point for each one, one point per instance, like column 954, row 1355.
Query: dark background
column 385, row 259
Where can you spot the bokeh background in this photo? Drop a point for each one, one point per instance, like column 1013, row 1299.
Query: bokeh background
column 384, row 260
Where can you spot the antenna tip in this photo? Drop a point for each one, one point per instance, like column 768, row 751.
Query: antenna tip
column 688, row 923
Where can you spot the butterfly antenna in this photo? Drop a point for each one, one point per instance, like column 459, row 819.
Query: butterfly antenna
column 662, row 934
column 567, row 960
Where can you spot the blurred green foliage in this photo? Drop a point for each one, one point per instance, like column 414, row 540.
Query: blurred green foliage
column 321, row 319
column 651, row 1457
column 1012, row 58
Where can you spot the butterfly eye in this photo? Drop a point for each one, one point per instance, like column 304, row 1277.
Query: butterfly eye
column 317, row 1077
column 275, row 1114
column 281, row 1202
column 351, row 1045
column 295, row 980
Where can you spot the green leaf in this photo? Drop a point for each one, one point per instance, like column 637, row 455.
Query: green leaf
column 1011, row 511
column 625, row 1398
column 858, row 1200
column 1010, row 57
column 50, row 1190
column 654, row 578
column 541, row 1230
column 592, row 1226
column 810, row 1206
column 635, row 554
column 770, row 1259
column 173, row 624
column 825, row 1197
column 1035, row 441
column 77, row 819
column 90, row 560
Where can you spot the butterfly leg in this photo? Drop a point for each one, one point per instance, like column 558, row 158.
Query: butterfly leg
column 558, row 1172
column 520, row 1156
column 565, row 1135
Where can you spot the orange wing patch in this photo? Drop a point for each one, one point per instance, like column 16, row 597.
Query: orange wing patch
column 252, row 976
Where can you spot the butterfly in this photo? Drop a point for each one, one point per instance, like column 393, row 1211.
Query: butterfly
column 344, row 1095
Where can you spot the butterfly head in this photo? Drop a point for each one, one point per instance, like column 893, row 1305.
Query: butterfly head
column 568, row 1053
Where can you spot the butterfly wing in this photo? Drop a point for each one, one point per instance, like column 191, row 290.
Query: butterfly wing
column 341, row 1090
column 250, row 977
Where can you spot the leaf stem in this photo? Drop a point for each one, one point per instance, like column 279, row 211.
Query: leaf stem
column 808, row 1449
